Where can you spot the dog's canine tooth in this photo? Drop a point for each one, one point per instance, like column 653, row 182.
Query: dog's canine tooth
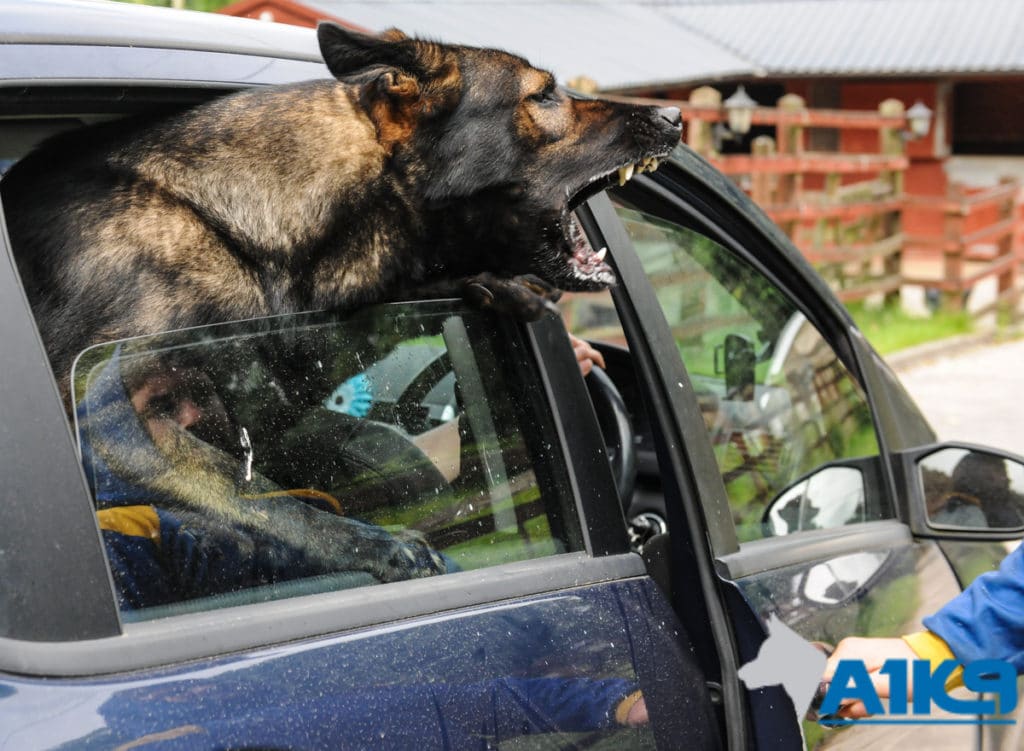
column 601, row 254
column 654, row 164
column 625, row 173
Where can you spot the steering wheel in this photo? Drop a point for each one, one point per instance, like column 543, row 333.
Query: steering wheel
column 617, row 429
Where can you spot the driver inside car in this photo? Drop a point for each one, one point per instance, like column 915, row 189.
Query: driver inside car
column 174, row 505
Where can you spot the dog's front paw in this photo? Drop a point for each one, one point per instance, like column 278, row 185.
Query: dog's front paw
column 412, row 558
column 526, row 297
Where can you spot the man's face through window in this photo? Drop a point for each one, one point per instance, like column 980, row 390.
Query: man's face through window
column 181, row 398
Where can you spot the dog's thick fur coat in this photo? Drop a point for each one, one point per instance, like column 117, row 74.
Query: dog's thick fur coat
column 420, row 166
column 421, row 169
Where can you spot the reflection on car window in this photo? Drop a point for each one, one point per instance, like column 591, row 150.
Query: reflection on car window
column 777, row 402
column 251, row 461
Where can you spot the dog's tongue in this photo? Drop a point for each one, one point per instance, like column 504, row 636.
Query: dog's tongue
column 589, row 261
column 588, row 264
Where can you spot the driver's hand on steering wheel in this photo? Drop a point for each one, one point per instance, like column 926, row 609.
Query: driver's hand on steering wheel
column 586, row 355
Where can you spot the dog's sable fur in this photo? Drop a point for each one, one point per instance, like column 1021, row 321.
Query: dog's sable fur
column 420, row 167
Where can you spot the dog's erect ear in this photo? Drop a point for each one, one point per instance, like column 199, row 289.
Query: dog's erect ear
column 346, row 51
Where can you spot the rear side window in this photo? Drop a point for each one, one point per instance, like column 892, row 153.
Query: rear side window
column 252, row 461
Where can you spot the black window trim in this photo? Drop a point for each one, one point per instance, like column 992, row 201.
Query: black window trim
column 689, row 471
column 57, row 585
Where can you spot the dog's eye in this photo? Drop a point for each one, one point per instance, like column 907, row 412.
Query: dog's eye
column 546, row 97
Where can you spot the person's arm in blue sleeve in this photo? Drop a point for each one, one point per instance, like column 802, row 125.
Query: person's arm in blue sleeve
column 986, row 621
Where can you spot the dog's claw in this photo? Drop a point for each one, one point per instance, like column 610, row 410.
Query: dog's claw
column 479, row 294
column 527, row 297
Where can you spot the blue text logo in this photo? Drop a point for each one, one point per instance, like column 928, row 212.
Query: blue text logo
column 851, row 682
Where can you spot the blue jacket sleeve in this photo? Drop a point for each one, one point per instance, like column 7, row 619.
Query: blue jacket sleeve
column 987, row 620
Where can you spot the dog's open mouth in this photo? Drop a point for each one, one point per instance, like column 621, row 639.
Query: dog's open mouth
column 587, row 265
column 617, row 176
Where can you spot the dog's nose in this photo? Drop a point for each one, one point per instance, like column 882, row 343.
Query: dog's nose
column 672, row 115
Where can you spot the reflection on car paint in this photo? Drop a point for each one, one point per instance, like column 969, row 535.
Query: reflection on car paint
column 548, row 671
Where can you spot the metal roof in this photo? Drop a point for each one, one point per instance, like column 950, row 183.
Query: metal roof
column 629, row 44
column 907, row 37
column 619, row 45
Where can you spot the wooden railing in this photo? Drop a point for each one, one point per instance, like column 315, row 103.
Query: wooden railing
column 977, row 234
column 842, row 210
column 846, row 211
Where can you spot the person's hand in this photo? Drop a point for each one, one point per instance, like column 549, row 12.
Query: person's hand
column 873, row 653
column 637, row 715
column 586, row 355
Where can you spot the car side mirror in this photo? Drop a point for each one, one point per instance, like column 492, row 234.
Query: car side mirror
column 831, row 496
column 736, row 358
column 963, row 491
column 967, row 488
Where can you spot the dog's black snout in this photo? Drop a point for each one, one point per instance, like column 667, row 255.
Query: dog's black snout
column 672, row 115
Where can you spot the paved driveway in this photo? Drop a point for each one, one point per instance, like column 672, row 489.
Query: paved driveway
column 973, row 394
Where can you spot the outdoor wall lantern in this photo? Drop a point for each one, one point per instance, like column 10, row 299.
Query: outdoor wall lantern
column 919, row 121
column 739, row 113
column 739, row 108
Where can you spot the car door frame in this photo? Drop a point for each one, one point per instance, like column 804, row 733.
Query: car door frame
column 713, row 205
column 708, row 201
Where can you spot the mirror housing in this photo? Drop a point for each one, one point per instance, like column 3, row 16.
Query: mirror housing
column 962, row 491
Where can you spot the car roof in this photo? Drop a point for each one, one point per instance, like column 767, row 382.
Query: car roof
column 116, row 24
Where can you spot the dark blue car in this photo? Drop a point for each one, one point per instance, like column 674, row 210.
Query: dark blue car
column 570, row 563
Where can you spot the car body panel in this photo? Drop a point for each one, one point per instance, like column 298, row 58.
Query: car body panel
column 466, row 679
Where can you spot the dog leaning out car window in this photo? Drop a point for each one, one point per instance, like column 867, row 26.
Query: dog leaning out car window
column 257, row 460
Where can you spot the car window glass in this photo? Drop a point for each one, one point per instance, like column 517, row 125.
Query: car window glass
column 779, row 406
column 251, row 461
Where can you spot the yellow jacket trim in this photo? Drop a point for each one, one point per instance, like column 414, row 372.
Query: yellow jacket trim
column 137, row 521
column 932, row 647
column 622, row 711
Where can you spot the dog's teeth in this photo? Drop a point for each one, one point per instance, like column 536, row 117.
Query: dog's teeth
column 625, row 173
column 601, row 254
column 654, row 165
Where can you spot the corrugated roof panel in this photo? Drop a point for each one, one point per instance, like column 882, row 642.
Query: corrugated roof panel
column 618, row 45
column 623, row 44
column 866, row 36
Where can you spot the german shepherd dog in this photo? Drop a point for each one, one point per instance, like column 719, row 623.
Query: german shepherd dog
column 422, row 169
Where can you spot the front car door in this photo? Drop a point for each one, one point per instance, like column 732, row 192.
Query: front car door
column 801, row 506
